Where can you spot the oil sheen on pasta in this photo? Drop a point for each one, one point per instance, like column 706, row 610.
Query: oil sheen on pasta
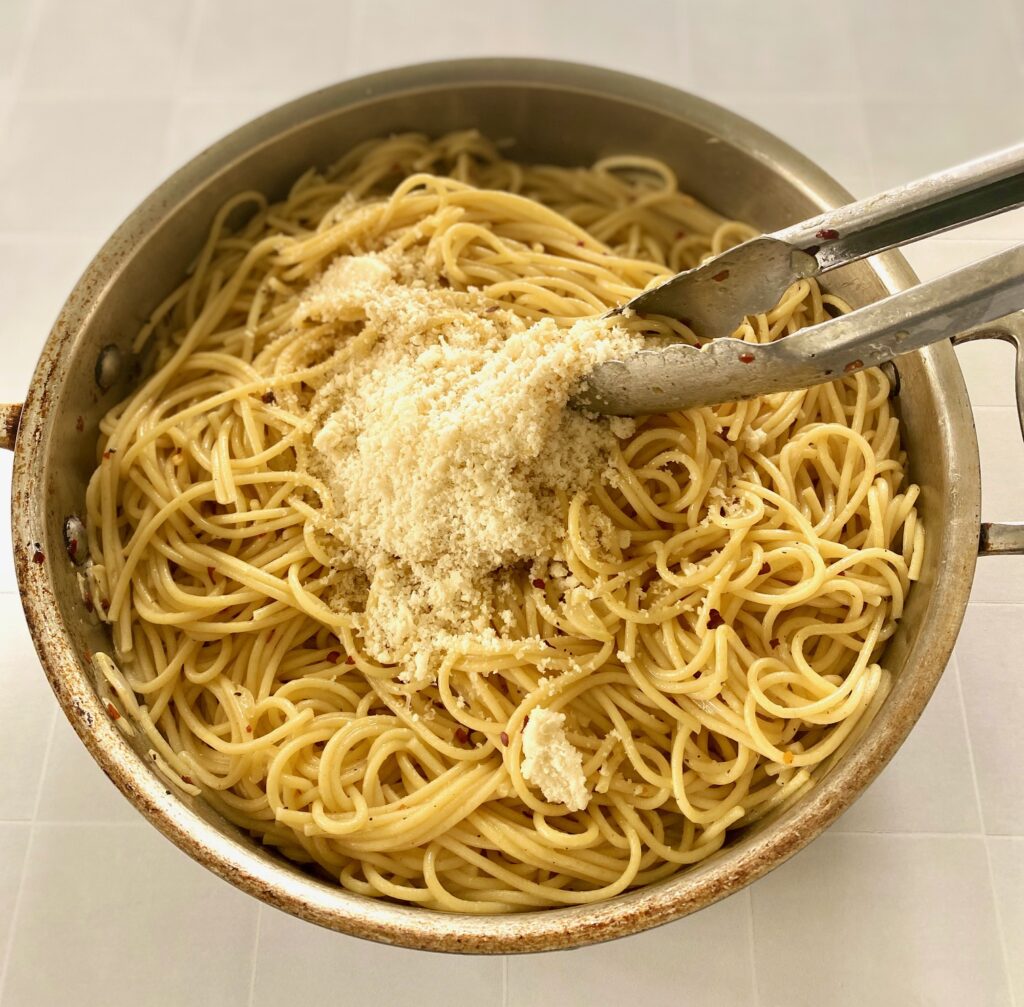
column 702, row 660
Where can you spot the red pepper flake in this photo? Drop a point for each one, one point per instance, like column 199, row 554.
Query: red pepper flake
column 853, row 365
column 827, row 234
column 186, row 779
column 842, row 573
column 461, row 735
column 537, row 583
column 38, row 557
column 112, row 710
column 723, row 275
column 504, row 739
column 526, row 720
column 350, row 659
column 248, row 728
column 80, row 424
column 680, row 234
column 89, row 606
column 73, row 548
column 773, row 642
column 109, row 452
column 269, row 398
column 766, row 568
column 746, row 358
column 715, row 619
column 105, row 604
column 334, row 656
column 580, row 243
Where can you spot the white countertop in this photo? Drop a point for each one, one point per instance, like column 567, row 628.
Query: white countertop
column 916, row 896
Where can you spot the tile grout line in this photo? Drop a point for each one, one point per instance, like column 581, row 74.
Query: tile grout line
column 1000, row 922
column 21, row 61
column 190, row 39
column 29, row 845
column 256, row 953
column 751, row 937
column 860, row 100
column 1000, row 929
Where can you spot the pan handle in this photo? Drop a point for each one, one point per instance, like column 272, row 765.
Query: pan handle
column 1002, row 538
column 10, row 417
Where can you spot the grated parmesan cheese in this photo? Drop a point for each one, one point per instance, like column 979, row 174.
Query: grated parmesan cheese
column 551, row 762
column 753, row 439
column 447, row 448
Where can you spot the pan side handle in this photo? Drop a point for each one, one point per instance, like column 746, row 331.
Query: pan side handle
column 1004, row 538
column 10, row 417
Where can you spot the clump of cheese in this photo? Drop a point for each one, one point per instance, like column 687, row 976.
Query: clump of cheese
column 448, row 448
column 551, row 762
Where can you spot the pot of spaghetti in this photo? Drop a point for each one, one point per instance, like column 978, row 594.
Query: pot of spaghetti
column 349, row 604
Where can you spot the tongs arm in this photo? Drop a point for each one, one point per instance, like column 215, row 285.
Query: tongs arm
column 726, row 370
column 968, row 192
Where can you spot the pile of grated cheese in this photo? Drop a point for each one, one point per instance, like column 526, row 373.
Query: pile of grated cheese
column 447, row 446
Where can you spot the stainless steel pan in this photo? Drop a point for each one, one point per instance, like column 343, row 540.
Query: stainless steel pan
column 553, row 112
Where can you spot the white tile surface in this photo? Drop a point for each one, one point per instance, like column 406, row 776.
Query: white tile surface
column 651, row 41
column 1002, row 462
column 302, row 963
column 242, row 45
column 13, row 846
column 15, row 23
column 197, row 122
column 74, row 788
column 910, row 137
column 8, row 581
column 36, row 275
column 77, row 165
column 898, row 802
column 107, row 47
column 968, row 54
column 98, row 100
column 705, row 958
column 993, row 689
column 26, row 715
column 1006, row 856
column 881, row 920
column 738, row 48
column 113, row 915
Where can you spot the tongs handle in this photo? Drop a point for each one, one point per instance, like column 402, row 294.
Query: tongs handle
column 951, row 198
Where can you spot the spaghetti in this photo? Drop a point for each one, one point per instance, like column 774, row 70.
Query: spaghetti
column 707, row 633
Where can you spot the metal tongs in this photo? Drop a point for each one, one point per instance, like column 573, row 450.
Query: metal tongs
column 751, row 278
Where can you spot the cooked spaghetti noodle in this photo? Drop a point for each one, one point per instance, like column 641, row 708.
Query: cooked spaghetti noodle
column 701, row 659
